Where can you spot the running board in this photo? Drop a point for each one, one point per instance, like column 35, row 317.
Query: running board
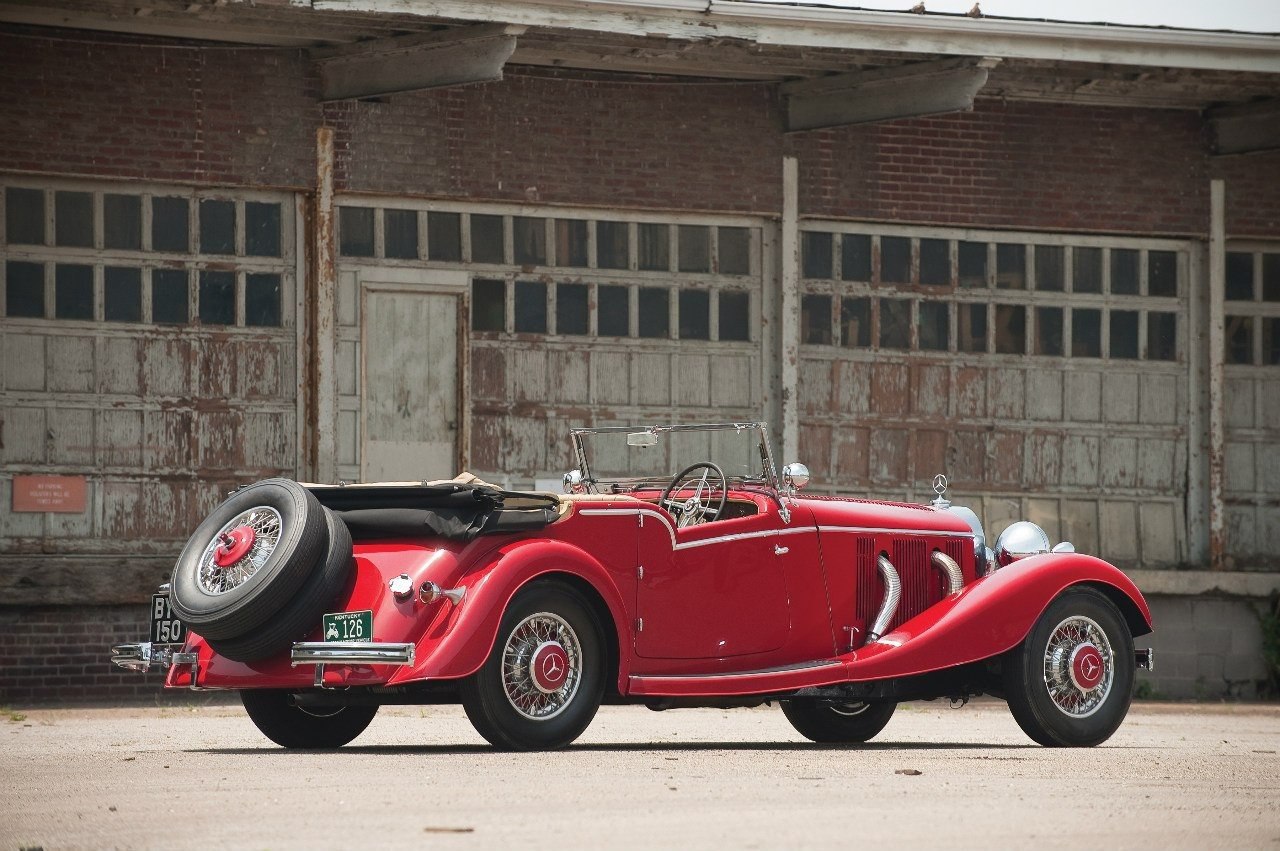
column 764, row 681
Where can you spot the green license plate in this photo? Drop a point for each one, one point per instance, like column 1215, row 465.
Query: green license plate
column 348, row 626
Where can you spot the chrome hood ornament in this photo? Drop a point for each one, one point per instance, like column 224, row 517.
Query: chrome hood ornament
column 940, row 488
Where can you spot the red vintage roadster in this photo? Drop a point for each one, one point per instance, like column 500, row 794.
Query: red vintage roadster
column 677, row 569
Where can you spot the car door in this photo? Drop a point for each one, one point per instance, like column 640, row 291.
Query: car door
column 712, row 591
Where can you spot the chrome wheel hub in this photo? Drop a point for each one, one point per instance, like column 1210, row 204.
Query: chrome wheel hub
column 239, row 549
column 541, row 666
column 1079, row 666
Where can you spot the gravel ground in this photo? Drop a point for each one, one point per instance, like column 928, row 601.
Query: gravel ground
column 1174, row 776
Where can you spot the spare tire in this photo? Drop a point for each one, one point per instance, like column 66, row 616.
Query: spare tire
column 302, row 613
column 248, row 558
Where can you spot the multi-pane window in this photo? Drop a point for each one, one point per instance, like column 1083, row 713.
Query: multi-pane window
column 1004, row 296
column 1252, row 330
column 162, row 256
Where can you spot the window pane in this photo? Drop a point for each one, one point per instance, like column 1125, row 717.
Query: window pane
column 1086, row 333
column 613, row 311
column 486, row 238
column 855, row 322
column 895, row 323
column 261, row 229
column 655, row 320
column 24, row 289
column 262, row 300
column 815, row 319
column 1239, row 276
column 1011, row 267
column 122, row 294
column 218, row 227
column 530, row 241
column 1162, row 273
column 217, row 297
column 934, row 329
column 169, row 230
column 1011, row 329
column 895, row 259
column 734, row 251
column 972, row 325
column 73, row 291
column 855, row 257
column 611, row 245
column 444, row 236
column 935, row 262
column 571, row 243
column 1086, row 275
column 1124, row 271
column 1124, row 334
column 735, row 312
column 24, row 216
column 400, row 235
column 571, row 308
column 815, row 248
column 355, row 231
column 73, row 219
column 488, row 305
column 695, row 248
column 695, row 315
column 169, row 296
column 1050, row 268
column 1271, row 277
column 973, row 264
column 531, row 307
column 1270, row 340
column 1048, row 329
column 122, row 222
column 654, row 247
column 1239, row 339
column 1162, row 336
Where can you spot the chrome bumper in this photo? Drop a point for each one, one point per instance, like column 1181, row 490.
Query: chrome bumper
column 351, row 653
column 145, row 656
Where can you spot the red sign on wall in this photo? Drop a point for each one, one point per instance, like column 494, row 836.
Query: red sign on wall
column 62, row 494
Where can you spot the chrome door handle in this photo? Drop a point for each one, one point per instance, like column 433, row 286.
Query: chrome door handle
column 780, row 551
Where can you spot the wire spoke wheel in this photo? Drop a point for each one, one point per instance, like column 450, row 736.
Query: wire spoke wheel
column 239, row 549
column 541, row 666
column 1079, row 666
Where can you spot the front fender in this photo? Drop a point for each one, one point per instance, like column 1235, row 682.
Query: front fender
column 993, row 615
column 457, row 646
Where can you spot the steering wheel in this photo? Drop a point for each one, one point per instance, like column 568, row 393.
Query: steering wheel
column 699, row 507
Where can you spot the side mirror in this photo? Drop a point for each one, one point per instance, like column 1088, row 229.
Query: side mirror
column 795, row 476
column 574, row 483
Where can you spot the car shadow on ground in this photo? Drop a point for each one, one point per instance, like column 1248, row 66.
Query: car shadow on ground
column 638, row 747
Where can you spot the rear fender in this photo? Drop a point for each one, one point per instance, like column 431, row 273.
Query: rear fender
column 994, row 615
column 456, row 646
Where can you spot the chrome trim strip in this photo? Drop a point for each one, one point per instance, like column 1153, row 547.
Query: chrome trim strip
column 351, row 653
column 862, row 530
column 768, row 672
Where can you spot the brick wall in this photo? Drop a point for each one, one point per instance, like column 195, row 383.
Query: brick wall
column 1253, row 193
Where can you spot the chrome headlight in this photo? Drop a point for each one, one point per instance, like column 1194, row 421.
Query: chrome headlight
column 1020, row 540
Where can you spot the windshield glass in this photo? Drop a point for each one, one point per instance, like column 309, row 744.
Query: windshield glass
column 626, row 457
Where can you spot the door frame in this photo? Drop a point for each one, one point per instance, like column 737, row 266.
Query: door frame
column 422, row 282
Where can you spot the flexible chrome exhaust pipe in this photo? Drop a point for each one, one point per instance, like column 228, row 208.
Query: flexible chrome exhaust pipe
column 945, row 563
column 892, row 593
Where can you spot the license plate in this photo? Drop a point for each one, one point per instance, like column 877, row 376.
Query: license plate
column 166, row 628
column 348, row 626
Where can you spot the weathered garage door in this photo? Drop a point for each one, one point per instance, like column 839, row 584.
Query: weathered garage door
column 574, row 317
column 1046, row 375
column 148, row 346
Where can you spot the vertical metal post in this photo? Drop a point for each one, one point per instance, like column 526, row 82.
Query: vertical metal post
column 324, row 315
column 789, row 314
column 1217, row 292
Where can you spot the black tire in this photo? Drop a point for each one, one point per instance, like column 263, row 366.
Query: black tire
column 541, row 614
column 300, row 615
column 825, row 722
column 274, row 713
column 302, row 543
column 1057, row 703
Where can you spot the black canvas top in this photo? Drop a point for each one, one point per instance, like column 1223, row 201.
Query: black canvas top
column 449, row 510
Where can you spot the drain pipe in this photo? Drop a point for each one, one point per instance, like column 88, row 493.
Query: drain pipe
column 945, row 563
column 892, row 592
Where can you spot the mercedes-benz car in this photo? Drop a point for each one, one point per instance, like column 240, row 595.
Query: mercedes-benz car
column 677, row 569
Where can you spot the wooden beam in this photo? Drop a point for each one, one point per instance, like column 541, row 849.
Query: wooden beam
column 1244, row 128
column 450, row 57
column 1217, row 356
column 883, row 94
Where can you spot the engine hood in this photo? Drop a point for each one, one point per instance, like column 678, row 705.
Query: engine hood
column 869, row 514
